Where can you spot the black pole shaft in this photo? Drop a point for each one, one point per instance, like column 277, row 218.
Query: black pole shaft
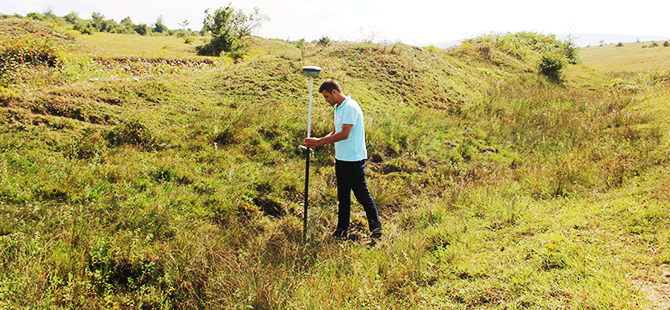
column 304, row 229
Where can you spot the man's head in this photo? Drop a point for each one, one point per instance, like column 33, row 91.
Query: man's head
column 332, row 92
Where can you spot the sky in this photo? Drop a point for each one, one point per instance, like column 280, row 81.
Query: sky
column 415, row 22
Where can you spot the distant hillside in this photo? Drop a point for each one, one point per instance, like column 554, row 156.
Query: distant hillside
column 582, row 40
column 592, row 39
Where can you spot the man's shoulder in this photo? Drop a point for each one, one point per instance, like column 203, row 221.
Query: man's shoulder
column 351, row 103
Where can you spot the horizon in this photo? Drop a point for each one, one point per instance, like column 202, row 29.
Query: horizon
column 421, row 24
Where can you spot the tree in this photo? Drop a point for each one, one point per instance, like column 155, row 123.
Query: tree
column 49, row 13
column 98, row 18
column 183, row 24
column 142, row 29
column 159, row 26
column 126, row 26
column 324, row 41
column 228, row 28
column 72, row 17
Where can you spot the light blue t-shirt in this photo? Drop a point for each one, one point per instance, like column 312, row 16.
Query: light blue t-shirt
column 352, row 148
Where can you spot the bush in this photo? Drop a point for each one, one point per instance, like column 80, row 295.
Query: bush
column 324, row 41
column 666, row 44
column 31, row 49
column 131, row 133
column 142, row 29
column 87, row 30
column 188, row 40
column 26, row 51
column 518, row 45
column 35, row 16
column 25, row 44
column 160, row 27
column 551, row 66
column 619, row 45
column 7, row 93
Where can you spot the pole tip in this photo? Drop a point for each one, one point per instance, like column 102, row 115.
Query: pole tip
column 311, row 71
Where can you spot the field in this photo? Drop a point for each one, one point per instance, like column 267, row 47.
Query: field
column 629, row 58
column 136, row 175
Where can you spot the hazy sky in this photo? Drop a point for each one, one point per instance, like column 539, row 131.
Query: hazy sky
column 413, row 22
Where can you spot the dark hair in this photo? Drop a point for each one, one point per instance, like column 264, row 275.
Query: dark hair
column 329, row 85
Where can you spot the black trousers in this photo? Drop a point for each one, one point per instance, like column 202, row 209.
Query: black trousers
column 351, row 177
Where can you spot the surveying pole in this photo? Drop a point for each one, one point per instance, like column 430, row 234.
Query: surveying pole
column 311, row 72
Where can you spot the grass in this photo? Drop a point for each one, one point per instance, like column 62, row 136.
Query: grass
column 112, row 45
column 129, row 183
column 630, row 58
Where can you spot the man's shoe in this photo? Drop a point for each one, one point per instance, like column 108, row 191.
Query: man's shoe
column 376, row 234
column 339, row 234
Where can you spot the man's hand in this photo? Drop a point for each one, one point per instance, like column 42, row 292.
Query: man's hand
column 330, row 138
column 311, row 142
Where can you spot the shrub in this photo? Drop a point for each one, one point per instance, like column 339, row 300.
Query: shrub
column 90, row 145
column 301, row 44
column 519, row 45
column 35, row 16
column 142, row 29
column 25, row 44
column 27, row 50
column 324, row 41
column 551, row 66
column 159, row 27
column 87, row 30
column 72, row 33
column 31, row 49
column 619, row 45
column 132, row 133
column 570, row 51
column 7, row 93
column 188, row 40
column 666, row 44
column 654, row 44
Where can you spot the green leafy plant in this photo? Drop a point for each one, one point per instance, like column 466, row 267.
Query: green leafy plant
column 229, row 27
column 42, row 48
column 324, row 41
column 552, row 66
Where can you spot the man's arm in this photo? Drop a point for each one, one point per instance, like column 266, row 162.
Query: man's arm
column 330, row 138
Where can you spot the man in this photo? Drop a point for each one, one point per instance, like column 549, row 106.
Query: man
column 350, row 156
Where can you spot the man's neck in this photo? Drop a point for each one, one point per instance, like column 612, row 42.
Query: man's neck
column 343, row 99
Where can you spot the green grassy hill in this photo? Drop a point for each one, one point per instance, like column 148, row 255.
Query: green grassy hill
column 134, row 174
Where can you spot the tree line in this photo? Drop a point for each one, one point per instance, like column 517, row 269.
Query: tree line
column 229, row 27
column 98, row 23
